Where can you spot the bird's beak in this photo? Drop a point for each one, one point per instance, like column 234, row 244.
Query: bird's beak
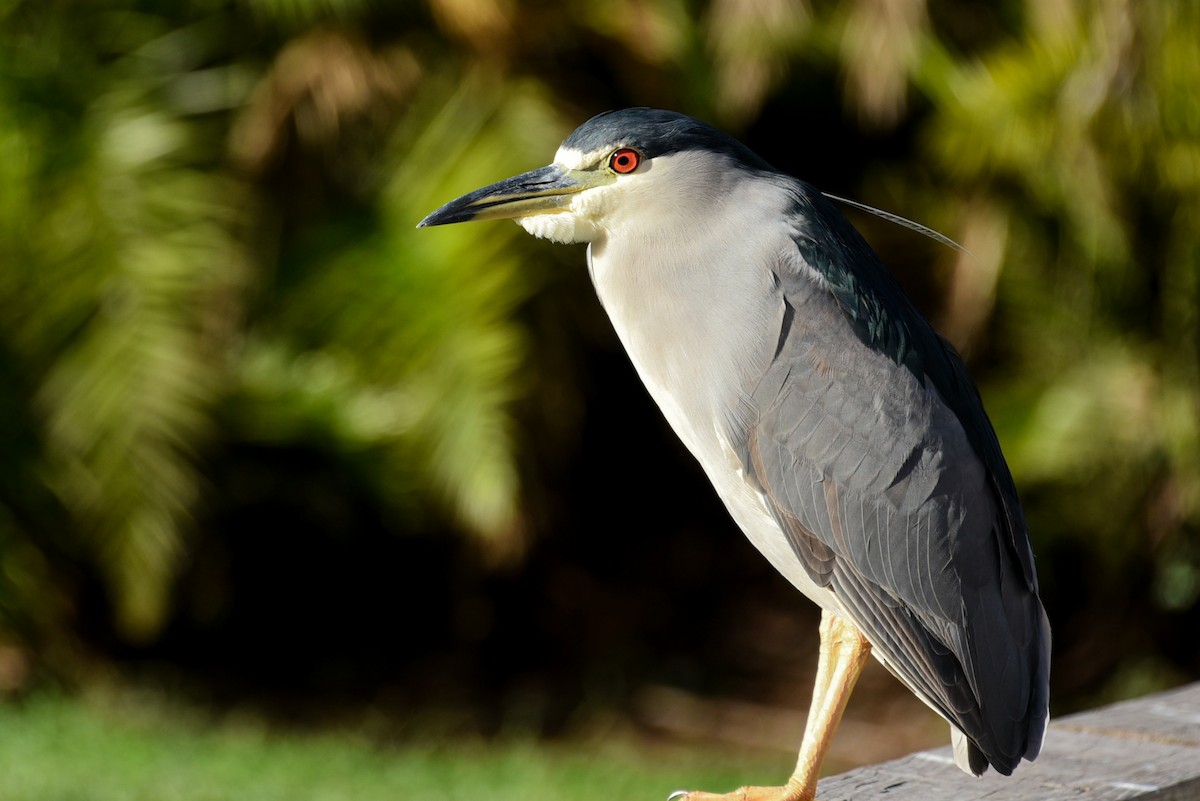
column 541, row 191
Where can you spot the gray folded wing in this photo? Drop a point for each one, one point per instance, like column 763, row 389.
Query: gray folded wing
column 873, row 452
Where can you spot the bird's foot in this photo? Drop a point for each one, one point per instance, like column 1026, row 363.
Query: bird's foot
column 788, row 792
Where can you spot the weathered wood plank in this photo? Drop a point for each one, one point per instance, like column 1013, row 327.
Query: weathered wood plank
column 1147, row 749
column 1173, row 716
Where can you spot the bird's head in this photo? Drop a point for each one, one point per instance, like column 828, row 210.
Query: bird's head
column 618, row 169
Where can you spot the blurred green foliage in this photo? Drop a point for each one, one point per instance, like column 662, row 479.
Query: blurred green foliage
column 206, row 241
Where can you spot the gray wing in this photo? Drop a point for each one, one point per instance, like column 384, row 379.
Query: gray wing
column 872, row 449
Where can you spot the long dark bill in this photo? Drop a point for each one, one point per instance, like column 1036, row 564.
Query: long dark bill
column 543, row 190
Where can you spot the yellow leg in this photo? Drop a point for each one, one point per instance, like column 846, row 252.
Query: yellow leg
column 844, row 652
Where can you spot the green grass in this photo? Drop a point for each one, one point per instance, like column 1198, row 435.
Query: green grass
column 58, row 749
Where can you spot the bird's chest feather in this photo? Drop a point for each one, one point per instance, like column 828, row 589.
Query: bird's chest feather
column 696, row 320
column 700, row 342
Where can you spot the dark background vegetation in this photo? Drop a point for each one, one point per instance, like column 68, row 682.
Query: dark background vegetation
column 263, row 443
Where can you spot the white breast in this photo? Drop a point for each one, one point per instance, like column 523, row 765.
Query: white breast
column 691, row 316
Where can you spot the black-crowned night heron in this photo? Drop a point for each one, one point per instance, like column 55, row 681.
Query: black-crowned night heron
column 842, row 433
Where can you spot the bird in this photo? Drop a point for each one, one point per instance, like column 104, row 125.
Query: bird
column 843, row 434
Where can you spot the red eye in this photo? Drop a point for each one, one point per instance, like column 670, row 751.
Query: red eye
column 624, row 161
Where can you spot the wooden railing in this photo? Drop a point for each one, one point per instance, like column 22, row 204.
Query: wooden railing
column 1147, row 749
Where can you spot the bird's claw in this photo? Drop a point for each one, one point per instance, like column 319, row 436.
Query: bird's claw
column 788, row 792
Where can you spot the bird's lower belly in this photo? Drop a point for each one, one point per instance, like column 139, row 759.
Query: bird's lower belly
column 764, row 533
column 700, row 428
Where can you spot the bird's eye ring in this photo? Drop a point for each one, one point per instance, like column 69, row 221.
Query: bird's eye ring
column 624, row 161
